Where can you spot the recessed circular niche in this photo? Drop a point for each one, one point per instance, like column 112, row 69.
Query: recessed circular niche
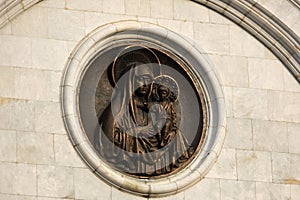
column 143, row 108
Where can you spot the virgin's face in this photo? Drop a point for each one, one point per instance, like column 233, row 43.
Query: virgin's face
column 142, row 81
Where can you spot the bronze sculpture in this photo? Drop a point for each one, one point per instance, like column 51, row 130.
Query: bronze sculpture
column 138, row 131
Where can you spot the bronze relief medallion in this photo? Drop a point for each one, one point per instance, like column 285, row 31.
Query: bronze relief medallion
column 149, row 112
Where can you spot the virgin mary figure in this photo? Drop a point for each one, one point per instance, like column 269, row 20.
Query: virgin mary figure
column 128, row 139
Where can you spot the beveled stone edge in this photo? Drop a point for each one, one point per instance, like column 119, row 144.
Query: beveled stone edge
column 200, row 165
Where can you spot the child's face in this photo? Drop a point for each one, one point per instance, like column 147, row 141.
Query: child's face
column 163, row 92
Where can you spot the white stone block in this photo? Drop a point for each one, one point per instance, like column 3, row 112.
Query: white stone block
column 239, row 134
column 18, row 178
column 270, row 136
column 48, row 117
column 6, row 30
column 8, row 146
column 24, row 115
column 295, row 192
column 25, row 179
column 237, row 190
column 243, row 44
column 88, row 186
column 265, row 74
column 228, row 100
column 161, row 9
column 65, row 24
column 137, row 7
column 117, row 194
column 293, row 138
column 90, row 5
column 36, row 148
column 285, row 168
column 216, row 18
column 55, row 181
column 213, row 38
column 284, row 106
column 269, row 55
column 117, row 6
column 250, row 103
column 7, row 113
column 191, row 11
column 15, row 51
column 17, row 197
column 94, row 20
column 183, row 28
column 254, row 165
column 178, row 196
column 269, row 191
column 52, row 4
column 210, row 189
column 290, row 82
column 49, row 54
column 42, row 85
column 65, row 154
column 49, row 198
column 225, row 167
column 7, row 78
column 33, row 23
column 233, row 70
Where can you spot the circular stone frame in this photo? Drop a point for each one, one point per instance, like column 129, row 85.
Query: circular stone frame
column 211, row 147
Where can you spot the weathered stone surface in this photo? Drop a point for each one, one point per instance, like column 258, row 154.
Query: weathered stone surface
column 225, row 167
column 139, row 8
column 254, row 166
column 35, row 148
column 243, row 44
column 33, row 23
column 15, row 51
column 65, row 24
column 8, row 146
column 239, row 134
column 91, row 5
column 250, row 103
column 117, row 6
column 284, row 106
column 285, row 168
column 293, row 138
column 7, row 79
column 210, row 189
column 265, row 74
column 188, row 10
column 18, row 178
column 213, row 38
column 236, row 190
column 269, row 191
column 159, row 8
column 65, row 154
column 54, row 181
column 274, row 132
column 88, row 186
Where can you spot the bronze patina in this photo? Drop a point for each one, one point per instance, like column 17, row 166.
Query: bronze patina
column 139, row 115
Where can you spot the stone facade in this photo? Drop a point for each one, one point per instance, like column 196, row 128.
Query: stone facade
column 260, row 157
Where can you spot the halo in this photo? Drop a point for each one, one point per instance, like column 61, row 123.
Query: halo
column 128, row 55
column 169, row 82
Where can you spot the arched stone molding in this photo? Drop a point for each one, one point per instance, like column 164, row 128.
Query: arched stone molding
column 11, row 8
column 264, row 26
